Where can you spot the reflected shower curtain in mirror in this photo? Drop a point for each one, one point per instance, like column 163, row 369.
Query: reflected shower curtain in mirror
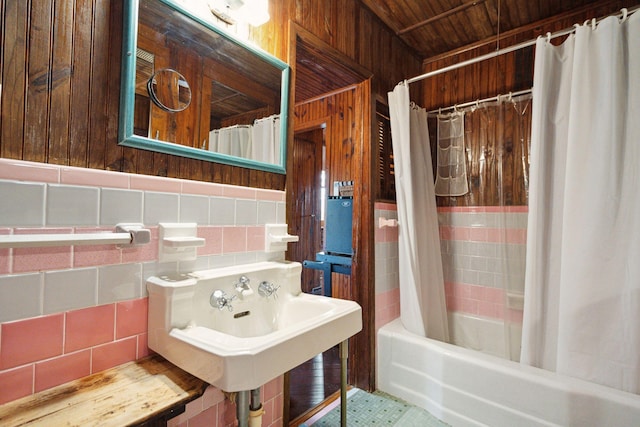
column 422, row 298
column 582, row 284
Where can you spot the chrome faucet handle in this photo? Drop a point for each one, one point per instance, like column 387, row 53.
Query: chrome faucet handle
column 267, row 289
column 243, row 284
column 219, row 299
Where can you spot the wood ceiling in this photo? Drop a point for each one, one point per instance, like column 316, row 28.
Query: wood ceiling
column 433, row 27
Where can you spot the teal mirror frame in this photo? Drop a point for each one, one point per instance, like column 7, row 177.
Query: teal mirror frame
column 127, row 138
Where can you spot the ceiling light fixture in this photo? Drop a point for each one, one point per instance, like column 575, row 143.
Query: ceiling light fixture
column 252, row 12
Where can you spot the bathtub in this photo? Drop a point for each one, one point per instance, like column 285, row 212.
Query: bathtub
column 466, row 388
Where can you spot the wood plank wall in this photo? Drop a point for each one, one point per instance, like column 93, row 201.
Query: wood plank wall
column 62, row 63
column 348, row 158
column 507, row 73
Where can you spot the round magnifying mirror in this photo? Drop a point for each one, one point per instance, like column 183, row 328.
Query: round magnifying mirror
column 169, row 90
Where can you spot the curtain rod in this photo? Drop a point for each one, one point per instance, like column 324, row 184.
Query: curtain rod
column 479, row 101
column 510, row 49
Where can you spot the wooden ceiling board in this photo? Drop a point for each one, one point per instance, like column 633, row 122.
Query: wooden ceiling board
column 457, row 23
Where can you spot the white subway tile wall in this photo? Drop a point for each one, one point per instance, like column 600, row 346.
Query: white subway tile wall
column 62, row 278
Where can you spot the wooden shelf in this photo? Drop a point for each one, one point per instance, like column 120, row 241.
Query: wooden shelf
column 148, row 391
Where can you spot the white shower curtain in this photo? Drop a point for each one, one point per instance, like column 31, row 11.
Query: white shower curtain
column 582, row 285
column 422, row 300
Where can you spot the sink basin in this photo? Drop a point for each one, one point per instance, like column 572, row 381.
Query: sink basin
column 260, row 338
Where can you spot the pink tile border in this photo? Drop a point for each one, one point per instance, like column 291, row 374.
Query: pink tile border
column 485, row 209
column 154, row 183
column 19, row 170
column 201, row 188
column 239, row 192
column 479, row 300
column 270, row 195
column 484, row 234
column 93, row 177
column 385, row 206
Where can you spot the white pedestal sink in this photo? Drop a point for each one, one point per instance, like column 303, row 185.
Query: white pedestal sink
column 261, row 338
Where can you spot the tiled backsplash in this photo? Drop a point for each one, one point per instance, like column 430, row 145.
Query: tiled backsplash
column 70, row 311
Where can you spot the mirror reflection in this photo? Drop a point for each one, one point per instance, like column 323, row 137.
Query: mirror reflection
column 169, row 90
column 198, row 88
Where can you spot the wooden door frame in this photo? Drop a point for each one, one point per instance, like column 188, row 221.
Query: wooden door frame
column 362, row 352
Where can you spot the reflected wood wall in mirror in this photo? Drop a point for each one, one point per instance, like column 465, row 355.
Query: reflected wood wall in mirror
column 239, row 93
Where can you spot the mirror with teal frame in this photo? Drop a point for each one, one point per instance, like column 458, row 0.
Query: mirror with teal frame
column 237, row 113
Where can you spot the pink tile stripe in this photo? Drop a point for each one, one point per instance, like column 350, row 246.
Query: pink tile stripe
column 385, row 206
column 479, row 300
column 38, row 172
column 484, row 234
column 484, row 209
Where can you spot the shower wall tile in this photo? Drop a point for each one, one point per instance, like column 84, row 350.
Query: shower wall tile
column 483, row 254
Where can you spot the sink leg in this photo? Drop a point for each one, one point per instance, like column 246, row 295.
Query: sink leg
column 344, row 354
column 242, row 408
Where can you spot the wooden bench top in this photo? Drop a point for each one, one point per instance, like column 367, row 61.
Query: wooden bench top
column 146, row 391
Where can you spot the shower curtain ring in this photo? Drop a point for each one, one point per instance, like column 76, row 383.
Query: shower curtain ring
column 593, row 24
column 625, row 13
column 548, row 37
